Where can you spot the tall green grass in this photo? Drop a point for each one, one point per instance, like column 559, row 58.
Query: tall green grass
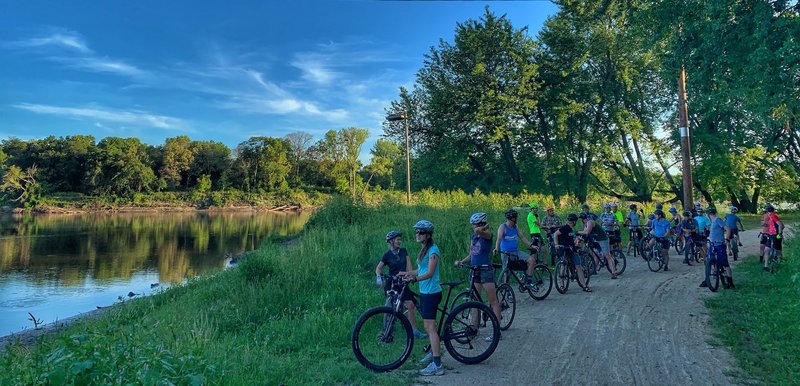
column 760, row 320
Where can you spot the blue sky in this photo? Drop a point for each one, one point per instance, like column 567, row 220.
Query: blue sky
column 222, row 71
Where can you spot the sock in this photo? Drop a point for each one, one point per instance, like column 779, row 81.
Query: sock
column 437, row 361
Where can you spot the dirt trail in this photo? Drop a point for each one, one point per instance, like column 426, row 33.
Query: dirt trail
column 644, row 329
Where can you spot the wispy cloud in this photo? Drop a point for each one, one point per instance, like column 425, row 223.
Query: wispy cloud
column 103, row 114
column 60, row 39
column 314, row 68
column 96, row 64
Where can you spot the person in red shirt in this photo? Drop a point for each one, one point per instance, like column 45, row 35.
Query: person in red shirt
column 774, row 228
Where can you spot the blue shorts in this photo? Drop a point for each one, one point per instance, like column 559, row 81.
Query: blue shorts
column 428, row 304
column 720, row 254
column 485, row 275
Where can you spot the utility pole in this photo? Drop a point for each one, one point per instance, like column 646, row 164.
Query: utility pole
column 686, row 151
column 402, row 116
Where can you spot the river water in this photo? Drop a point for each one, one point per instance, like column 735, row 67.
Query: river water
column 57, row 266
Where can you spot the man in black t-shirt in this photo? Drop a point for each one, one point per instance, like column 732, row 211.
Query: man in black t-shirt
column 396, row 259
column 564, row 238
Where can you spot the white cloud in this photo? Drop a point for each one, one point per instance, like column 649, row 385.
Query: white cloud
column 63, row 39
column 102, row 114
column 96, row 64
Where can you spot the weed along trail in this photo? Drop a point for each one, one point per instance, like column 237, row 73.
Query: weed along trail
column 645, row 328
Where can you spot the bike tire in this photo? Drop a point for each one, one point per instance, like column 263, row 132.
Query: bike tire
column 542, row 282
column 735, row 248
column 655, row 262
column 620, row 260
column 680, row 245
column 508, row 305
column 370, row 346
column 462, row 297
column 562, row 277
column 588, row 266
column 643, row 248
column 464, row 340
column 712, row 278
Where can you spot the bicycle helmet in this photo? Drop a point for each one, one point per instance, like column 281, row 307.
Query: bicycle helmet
column 477, row 218
column 659, row 206
column 698, row 204
column 659, row 213
column 712, row 211
column 651, row 216
column 769, row 208
column 607, row 206
column 392, row 235
column 533, row 205
column 424, row 225
column 733, row 209
column 582, row 216
column 511, row 214
column 614, row 205
column 572, row 217
column 686, row 213
column 632, row 206
column 549, row 208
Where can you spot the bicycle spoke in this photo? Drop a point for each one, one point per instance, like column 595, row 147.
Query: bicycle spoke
column 381, row 340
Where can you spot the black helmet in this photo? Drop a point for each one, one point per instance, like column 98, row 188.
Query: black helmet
column 769, row 208
column 572, row 217
column 511, row 214
column 659, row 206
column 632, row 206
column 686, row 213
column 392, row 235
column 659, row 213
column 582, row 216
column 712, row 211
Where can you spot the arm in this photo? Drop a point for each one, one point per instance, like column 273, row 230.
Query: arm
column 523, row 238
column 379, row 268
column 741, row 225
column 432, row 261
column 500, row 233
column 555, row 236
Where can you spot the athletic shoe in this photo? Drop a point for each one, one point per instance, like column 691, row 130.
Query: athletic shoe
column 491, row 338
column 427, row 359
column 666, row 268
column 704, row 284
column 419, row 334
column 432, row 369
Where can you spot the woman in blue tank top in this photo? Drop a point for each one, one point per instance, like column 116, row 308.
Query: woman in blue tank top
column 507, row 236
column 480, row 245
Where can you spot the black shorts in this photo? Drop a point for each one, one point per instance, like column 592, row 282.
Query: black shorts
column 775, row 243
column 764, row 239
column 428, row 304
column 664, row 242
column 536, row 239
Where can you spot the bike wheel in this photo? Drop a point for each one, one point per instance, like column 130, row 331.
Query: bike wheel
column 774, row 262
column 508, row 305
column 698, row 258
column 620, row 261
column 562, row 277
column 541, row 282
column 644, row 245
column 679, row 245
column 382, row 339
column 735, row 248
column 655, row 261
column 712, row 278
column 465, row 338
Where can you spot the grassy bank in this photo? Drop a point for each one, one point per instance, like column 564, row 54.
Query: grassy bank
column 284, row 316
column 760, row 320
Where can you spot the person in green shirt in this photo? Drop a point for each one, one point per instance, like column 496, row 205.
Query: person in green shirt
column 537, row 242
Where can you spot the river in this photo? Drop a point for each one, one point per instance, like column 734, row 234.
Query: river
column 57, row 266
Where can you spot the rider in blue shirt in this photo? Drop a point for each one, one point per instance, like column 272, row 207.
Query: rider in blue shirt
column 661, row 228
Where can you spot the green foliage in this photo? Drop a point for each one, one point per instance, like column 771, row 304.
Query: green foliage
column 177, row 160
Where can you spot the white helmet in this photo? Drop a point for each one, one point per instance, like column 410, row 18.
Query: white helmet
column 733, row 209
column 477, row 218
column 424, row 225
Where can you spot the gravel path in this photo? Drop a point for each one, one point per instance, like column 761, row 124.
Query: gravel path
column 644, row 329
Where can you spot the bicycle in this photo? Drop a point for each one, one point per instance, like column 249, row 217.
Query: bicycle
column 566, row 271
column 593, row 252
column 676, row 241
column 655, row 260
column 382, row 338
column 644, row 244
column 505, row 296
column 774, row 262
column 733, row 246
column 633, row 239
column 689, row 249
column 541, row 278
column 713, row 271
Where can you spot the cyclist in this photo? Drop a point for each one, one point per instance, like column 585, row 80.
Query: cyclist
column 620, row 220
column 430, row 293
column 480, row 245
column 732, row 221
column 775, row 232
column 589, row 214
column 565, row 239
column 632, row 221
column 535, row 230
column 550, row 223
column 507, row 236
column 689, row 230
column 397, row 260
column 717, row 232
column 609, row 224
column 702, row 230
column 764, row 234
column 599, row 239
column 661, row 229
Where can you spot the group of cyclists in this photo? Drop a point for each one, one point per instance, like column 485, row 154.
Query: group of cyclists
column 708, row 232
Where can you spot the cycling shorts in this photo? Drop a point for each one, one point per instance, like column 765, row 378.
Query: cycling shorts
column 518, row 260
column 664, row 242
column 429, row 304
column 536, row 239
column 719, row 253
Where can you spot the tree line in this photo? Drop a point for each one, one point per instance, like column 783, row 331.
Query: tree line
column 125, row 166
column 589, row 106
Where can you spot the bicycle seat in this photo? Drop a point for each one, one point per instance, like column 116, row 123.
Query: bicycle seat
column 453, row 283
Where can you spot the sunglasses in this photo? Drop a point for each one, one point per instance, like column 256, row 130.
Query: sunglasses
column 480, row 224
column 421, row 232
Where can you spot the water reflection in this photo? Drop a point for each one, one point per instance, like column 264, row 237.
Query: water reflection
column 61, row 265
